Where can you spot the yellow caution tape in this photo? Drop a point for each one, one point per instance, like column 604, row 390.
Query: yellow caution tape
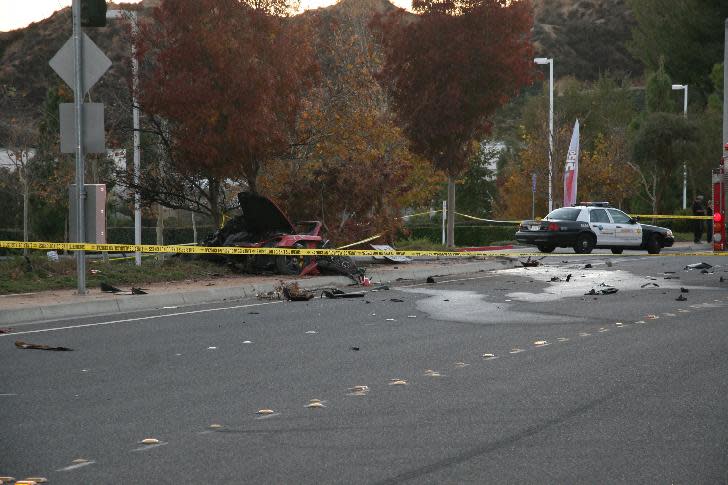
column 658, row 216
column 486, row 220
column 420, row 214
column 360, row 242
column 242, row 251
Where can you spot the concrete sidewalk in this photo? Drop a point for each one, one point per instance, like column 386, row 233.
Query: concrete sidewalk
column 61, row 304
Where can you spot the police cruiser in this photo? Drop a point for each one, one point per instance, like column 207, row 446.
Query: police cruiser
column 592, row 225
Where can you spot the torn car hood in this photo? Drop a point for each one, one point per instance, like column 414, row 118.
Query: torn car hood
column 262, row 215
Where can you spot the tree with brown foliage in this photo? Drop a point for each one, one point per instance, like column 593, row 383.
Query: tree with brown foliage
column 450, row 68
column 221, row 81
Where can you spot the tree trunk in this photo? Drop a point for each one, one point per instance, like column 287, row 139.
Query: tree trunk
column 26, row 202
column 194, row 229
column 214, row 198
column 160, row 228
column 450, row 211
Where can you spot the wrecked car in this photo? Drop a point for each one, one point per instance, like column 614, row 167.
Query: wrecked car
column 593, row 225
column 262, row 224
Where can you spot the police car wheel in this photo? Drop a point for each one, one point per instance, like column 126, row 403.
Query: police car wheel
column 617, row 250
column 584, row 244
column 653, row 245
column 546, row 248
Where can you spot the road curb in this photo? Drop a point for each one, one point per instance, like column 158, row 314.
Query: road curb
column 128, row 303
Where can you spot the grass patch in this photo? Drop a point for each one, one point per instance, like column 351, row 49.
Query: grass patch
column 18, row 275
column 419, row 244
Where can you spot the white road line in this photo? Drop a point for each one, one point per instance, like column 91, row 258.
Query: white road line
column 76, row 466
column 139, row 319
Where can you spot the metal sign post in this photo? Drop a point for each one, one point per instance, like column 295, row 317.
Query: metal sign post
column 444, row 220
column 80, row 63
column 78, row 101
column 533, row 196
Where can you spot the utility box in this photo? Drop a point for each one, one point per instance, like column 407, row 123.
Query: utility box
column 94, row 214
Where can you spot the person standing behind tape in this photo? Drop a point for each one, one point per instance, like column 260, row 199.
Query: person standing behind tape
column 709, row 213
column 698, row 210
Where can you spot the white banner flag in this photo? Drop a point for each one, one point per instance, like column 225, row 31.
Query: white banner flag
column 571, row 170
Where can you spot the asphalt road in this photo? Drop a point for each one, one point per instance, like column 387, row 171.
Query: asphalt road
column 621, row 388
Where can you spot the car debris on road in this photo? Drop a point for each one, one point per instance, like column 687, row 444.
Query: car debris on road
column 24, row 345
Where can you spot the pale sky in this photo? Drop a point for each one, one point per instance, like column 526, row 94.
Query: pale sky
column 15, row 14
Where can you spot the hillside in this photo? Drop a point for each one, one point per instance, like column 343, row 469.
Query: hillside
column 584, row 36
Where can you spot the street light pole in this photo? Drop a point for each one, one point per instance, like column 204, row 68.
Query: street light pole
column 117, row 14
column 550, row 62
column 677, row 87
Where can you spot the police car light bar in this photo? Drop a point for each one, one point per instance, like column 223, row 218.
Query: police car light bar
column 595, row 204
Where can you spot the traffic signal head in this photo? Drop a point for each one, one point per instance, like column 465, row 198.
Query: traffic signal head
column 717, row 217
column 93, row 13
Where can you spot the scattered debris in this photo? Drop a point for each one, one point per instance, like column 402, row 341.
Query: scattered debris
column 540, row 343
column 107, row 288
column 681, row 298
column 365, row 281
column 568, row 277
column 6, row 330
column 489, row 356
column 94, row 271
column 359, row 390
column 336, row 293
column 555, row 278
column 672, row 277
column 391, row 320
column 684, row 290
column 702, row 265
column 355, row 349
column 460, row 365
column 587, row 266
column 24, row 345
column 721, row 279
column 606, row 291
column 432, row 373
column 411, row 316
column 292, row 292
column 315, row 404
column 215, row 426
column 650, row 284
column 265, row 412
column 397, row 382
column 311, row 331
column 608, row 263
column 247, row 341
column 269, row 295
column 391, row 259
column 380, row 288
column 149, row 441
column 430, row 279
column 138, row 291
column 705, row 271
column 396, row 300
column 211, row 348
column 531, row 263
column 652, row 317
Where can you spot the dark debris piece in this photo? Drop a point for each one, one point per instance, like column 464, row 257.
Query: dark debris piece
column 555, row 278
column 681, row 298
column 6, row 330
column 531, row 263
column 702, row 265
column 568, row 277
column 138, row 291
column 336, row 293
column 396, row 300
column 380, row 288
column 684, row 290
column 292, row 292
column 605, row 291
column 430, row 279
column 24, row 345
column 587, row 266
column 107, row 288
column 355, row 349
column 650, row 284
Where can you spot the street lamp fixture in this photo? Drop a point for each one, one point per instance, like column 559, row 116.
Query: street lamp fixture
column 684, row 87
column 550, row 62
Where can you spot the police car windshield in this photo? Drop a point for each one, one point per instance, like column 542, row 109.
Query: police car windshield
column 564, row 214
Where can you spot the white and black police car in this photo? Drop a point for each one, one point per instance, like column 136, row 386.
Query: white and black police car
column 592, row 225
